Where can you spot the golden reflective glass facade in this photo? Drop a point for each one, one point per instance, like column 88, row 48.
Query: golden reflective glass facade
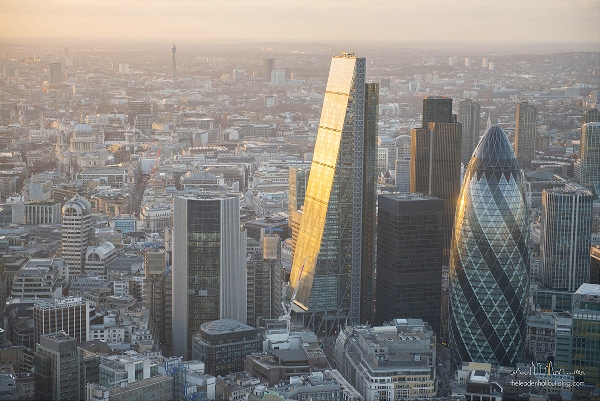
column 334, row 261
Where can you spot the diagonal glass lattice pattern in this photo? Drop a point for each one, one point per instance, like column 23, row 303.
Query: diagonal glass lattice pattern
column 489, row 263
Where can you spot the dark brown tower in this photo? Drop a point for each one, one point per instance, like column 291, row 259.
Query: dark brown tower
column 268, row 67
column 435, row 160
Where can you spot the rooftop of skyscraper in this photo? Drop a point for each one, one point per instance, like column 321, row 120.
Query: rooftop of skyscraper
column 494, row 146
column 59, row 303
column 58, row 337
column 588, row 289
column 409, row 196
column 570, row 189
column 224, row 326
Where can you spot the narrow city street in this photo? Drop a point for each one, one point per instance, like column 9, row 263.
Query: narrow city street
column 138, row 195
column 443, row 371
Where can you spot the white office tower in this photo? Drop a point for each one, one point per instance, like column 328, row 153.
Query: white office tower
column 278, row 77
column 77, row 233
column 469, row 114
column 403, row 175
column 566, row 237
column 209, row 266
column 403, row 144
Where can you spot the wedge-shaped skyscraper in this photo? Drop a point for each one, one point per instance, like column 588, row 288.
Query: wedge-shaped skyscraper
column 489, row 262
column 334, row 253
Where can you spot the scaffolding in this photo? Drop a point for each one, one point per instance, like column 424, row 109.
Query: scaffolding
column 199, row 396
column 179, row 375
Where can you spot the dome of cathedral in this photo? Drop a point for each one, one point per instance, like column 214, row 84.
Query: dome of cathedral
column 83, row 129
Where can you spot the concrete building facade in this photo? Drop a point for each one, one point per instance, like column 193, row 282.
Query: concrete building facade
column 71, row 315
column 389, row 362
column 77, row 233
column 469, row 114
column 525, row 134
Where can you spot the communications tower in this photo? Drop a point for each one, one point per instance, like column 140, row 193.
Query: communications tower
column 173, row 50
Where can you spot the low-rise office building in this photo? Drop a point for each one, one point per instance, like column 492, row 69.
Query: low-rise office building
column 578, row 349
column 389, row 362
column 223, row 345
column 71, row 315
column 98, row 257
column 279, row 365
column 158, row 387
column 61, row 369
column 317, row 386
column 39, row 278
column 541, row 334
column 126, row 369
column 156, row 217
column 36, row 213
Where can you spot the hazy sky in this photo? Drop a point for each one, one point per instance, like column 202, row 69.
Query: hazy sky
column 524, row 21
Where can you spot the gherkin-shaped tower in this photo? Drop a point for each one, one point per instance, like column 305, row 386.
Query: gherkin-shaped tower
column 489, row 262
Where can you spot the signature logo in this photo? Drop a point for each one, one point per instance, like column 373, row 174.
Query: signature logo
column 547, row 369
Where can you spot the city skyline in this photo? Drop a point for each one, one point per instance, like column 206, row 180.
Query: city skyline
column 559, row 22
column 248, row 215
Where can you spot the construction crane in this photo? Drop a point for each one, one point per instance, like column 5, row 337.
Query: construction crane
column 287, row 310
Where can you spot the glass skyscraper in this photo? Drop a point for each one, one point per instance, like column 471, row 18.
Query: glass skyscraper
column 489, row 262
column 334, row 251
column 409, row 258
column 566, row 237
column 209, row 266
column 580, row 349
column 590, row 155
